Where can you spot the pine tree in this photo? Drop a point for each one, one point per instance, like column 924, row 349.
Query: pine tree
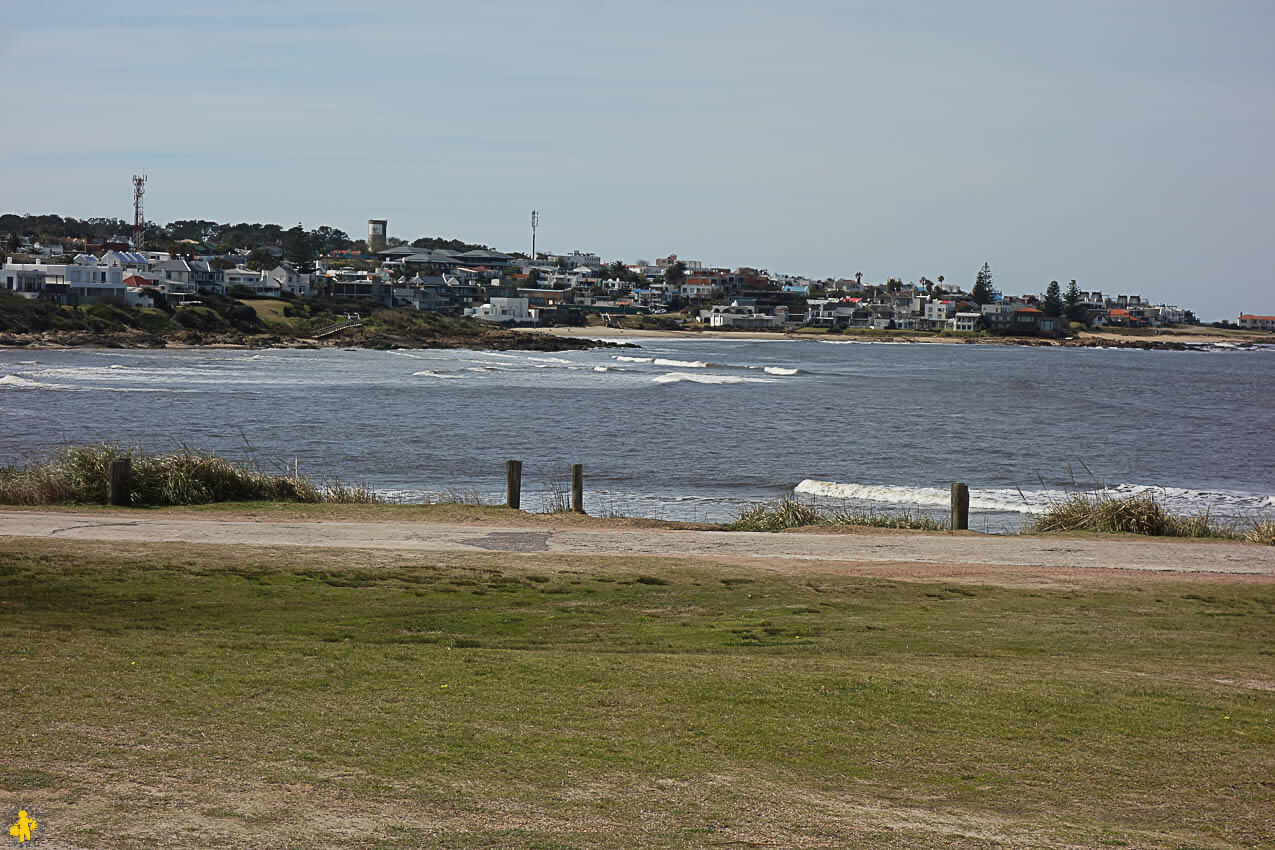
column 1053, row 305
column 984, row 291
column 1075, row 307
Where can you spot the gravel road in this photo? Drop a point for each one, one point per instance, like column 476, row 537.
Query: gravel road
column 1059, row 552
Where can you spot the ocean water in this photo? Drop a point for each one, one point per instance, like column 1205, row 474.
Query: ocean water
column 689, row 429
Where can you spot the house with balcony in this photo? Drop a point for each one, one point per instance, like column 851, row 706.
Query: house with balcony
column 503, row 310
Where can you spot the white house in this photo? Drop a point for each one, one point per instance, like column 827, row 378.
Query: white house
column 260, row 283
column 736, row 315
column 86, row 279
column 963, row 321
column 506, row 310
column 1257, row 323
column 289, row 279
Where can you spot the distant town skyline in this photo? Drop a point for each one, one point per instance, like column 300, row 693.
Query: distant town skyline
column 1125, row 145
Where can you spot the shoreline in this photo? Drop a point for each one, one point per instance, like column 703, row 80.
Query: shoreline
column 1169, row 341
column 571, row 338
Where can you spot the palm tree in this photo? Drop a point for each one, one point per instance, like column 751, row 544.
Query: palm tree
column 858, row 278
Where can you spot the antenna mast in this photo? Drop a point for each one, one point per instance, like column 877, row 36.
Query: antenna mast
column 535, row 222
column 139, row 221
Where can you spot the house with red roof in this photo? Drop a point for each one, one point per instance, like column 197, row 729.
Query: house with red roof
column 1256, row 323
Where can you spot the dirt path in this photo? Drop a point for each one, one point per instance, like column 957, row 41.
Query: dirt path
column 933, row 549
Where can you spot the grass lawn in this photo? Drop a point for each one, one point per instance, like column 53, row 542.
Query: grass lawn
column 268, row 309
column 161, row 695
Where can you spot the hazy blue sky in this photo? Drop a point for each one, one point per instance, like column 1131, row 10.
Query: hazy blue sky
column 1129, row 145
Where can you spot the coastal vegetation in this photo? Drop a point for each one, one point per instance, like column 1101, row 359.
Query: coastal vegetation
column 239, row 696
column 1142, row 513
column 225, row 320
column 783, row 514
column 80, row 475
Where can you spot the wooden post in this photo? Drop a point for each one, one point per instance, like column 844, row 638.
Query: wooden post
column 577, row 487
column 960, row 506
column 120, row 490
column 513, row 483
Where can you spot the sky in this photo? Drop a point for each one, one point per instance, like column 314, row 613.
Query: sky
column 1126, row 145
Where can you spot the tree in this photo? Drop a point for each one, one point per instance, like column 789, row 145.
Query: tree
column 984, row 291
column 298, row 248
column 261, row 260
column 675, row 273
column 858, row 279
column 1053, row 305
column 1076, row 311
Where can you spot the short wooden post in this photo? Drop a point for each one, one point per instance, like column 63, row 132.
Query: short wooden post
column 960, row 506
column 120, row 491
column 513, row 483
column 577, row 487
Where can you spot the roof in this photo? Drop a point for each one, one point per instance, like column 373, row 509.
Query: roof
column 137, row 280
column 1250, row 316
column 1031, row 310
column 1116, row 311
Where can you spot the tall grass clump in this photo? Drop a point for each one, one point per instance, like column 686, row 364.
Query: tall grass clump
column 787, row 513
column 80, row 475
column 1261, row 531
column 1140, row 513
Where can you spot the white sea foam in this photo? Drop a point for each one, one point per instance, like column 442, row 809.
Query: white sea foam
column 678, row 377
column 430, row 373
column 20, row 383
column 28, row 362
column 780, row 370
column 681, row 364
column 602, row 368
column 119, row 366
column 626, row 359
column 1230, row 503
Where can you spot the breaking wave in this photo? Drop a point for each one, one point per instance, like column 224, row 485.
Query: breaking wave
column 678, row 377
column 780, row 370
column 430, row 373
column 21, row 383
column 627, row 359
column 682, row 364
column 1229, row 503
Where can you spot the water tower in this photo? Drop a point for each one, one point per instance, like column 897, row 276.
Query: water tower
column 376, row 234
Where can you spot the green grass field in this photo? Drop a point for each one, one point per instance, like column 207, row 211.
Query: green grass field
column 161, row 695
column 268, row 309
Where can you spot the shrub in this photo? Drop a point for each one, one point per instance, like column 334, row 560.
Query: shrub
column 1140, row 513
column 80, row 475
column 787, row 513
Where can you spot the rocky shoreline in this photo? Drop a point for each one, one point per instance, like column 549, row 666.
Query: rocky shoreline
column 495, row 339
column 501, row 339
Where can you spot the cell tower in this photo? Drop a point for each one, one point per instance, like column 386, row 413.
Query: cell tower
column 535, row 222
column 139, row 221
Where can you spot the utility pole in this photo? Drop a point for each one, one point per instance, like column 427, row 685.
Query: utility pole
column 139, row 220
column 535, row 222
